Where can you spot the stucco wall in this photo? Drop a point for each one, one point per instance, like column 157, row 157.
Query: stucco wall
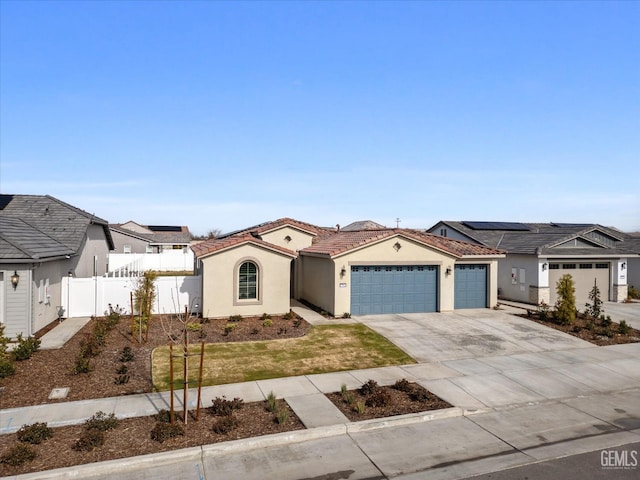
column 44, row 309
column 533, row 277
column 120, row 240
column 15, row 305
column 299, row 239
column 95, row 244
column 633, row 272
column 219, row 282
column 317, row 281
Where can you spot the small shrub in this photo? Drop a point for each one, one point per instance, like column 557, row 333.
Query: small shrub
column 419, row 395
column 403, row 385
column 624, row 327
column 297, row 322
column 235, row 318
column 369, row 387
column 282, row 331
column 225, row 425
column 565, row 313
column 81, row 365
column 379, row 398
column 122, row 379
column 594, row 310
column 25, row 348
column 543, row 311
column 7, row 368
column 229, row 327
column 282, row 415
column 289, row 315
column 101, row 421
column 122, row 369
column 343, row 389
column 359, row 408
column 265, row 316
column 349, row 398
column 346, row 315
column 267, row 323
column 163, row 416
column 18, row 455
column 89, row 348
column 164, row 431
column 35, row 433
column 89, row 440
column 633, row 292
column 126, row 355
column 605, row 322
column 272, row 404
column 223, row 407
column 255, row 331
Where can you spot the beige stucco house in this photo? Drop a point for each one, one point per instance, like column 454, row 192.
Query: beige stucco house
column 359, row 272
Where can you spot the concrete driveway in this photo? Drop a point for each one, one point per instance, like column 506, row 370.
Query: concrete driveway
column 630, row 312
column 438, row 337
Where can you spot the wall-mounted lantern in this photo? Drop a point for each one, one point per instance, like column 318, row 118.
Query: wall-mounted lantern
column 343, row 271
column 623, row 266
column 448, row 270
column 544, row 266
column 15, row 279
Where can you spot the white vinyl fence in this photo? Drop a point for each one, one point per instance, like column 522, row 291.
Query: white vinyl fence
column 131, row 264
column 83, row 297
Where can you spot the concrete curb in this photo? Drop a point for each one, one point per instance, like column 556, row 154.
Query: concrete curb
column 197, row 454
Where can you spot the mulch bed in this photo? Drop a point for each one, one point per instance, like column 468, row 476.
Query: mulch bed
column 594, row 333
column 48, row 369
column 414, row 399
column 132, row 437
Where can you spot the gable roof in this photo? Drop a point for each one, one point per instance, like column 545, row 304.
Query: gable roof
column 38, row 227
column 155, row 234
column 266, row 227
column 216, row 245
column 363, row 225
column 343, row 242
column 544, row 238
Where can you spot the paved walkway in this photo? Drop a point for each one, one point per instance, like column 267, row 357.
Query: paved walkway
column 509, row 410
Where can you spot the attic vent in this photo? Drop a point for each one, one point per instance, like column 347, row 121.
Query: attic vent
column 287, row 239
column 397, row 246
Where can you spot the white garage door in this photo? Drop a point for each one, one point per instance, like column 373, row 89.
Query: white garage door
column 583, row 274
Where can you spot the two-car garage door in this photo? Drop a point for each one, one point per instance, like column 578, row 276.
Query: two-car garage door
column 394, row 289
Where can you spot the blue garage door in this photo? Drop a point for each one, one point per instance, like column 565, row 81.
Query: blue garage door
column 394, row 289
column 470, row 286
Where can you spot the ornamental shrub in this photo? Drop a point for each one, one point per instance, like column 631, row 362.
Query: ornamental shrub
column 565, row 313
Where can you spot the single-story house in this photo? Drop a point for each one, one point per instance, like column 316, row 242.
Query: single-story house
column 369, row 271
column 131, row 237
column 43, row 239
column 538, row 254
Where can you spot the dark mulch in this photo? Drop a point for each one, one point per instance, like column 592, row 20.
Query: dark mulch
column 132, row 437
column 399, row 402
column 593, row 332
column 46, row 370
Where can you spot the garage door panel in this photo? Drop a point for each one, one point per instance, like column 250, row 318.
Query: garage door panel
column 393, row 289
column 583, row 275
column 470, row 288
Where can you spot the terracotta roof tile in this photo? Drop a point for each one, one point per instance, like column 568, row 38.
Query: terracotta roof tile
column 268, row 226
column 342, row 242
column 217, row 244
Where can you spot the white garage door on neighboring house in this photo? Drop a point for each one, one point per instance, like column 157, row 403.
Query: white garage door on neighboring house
column 470, row 286
column 377, row 289
column 583, row 274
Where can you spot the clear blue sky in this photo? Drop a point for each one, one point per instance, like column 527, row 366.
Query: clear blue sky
column 226, row 114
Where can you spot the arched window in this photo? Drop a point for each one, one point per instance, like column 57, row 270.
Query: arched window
column 248, row 281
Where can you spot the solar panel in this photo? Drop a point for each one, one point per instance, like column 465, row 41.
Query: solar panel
column 164, row 228
column 5, row 200
column 511, row 226
column 569, row 225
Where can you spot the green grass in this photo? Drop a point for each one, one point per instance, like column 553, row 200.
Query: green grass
column 327, row 348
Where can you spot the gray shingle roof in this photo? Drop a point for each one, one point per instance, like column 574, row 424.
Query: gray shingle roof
column 37, row 227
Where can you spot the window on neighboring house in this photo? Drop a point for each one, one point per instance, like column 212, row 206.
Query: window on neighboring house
column 248, row 281
column 443, row 232
column 127, row 249
column 149, row 249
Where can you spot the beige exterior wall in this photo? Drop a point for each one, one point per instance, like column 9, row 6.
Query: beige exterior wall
column 317, row 283
column 220, row 282
column 44, row 307
column 583, row 281
column 95, row 244
column 299, row 239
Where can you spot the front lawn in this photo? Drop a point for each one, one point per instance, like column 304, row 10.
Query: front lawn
column 326, row 348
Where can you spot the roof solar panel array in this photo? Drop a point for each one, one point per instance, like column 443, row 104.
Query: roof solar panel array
column 511, row 226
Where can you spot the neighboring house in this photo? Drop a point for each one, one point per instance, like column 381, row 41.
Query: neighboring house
column 634, row 263
column 538, row 254
column 368, row 271
column 43, row 239
column 131, row 237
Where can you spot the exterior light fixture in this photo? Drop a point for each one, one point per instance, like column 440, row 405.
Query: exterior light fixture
column 343, row 271
column 15, row 279
column 623, row 266
column 544, row 266
column 448, row 270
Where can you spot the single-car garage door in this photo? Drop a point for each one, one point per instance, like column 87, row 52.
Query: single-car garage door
column 470, row 286
column 394, row 289
column 583, row 274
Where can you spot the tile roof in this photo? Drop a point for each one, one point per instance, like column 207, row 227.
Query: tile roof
column 543, row 238
column 40, row 226
column 273, row 225
column 342, row 242
column 362, row 225
column 214, row 245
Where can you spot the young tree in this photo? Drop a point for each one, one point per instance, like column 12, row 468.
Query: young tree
column 594, row 310
column 144, row 296
column 565, row 312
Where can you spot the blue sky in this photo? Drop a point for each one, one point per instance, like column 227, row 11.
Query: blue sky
column 226, row 114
